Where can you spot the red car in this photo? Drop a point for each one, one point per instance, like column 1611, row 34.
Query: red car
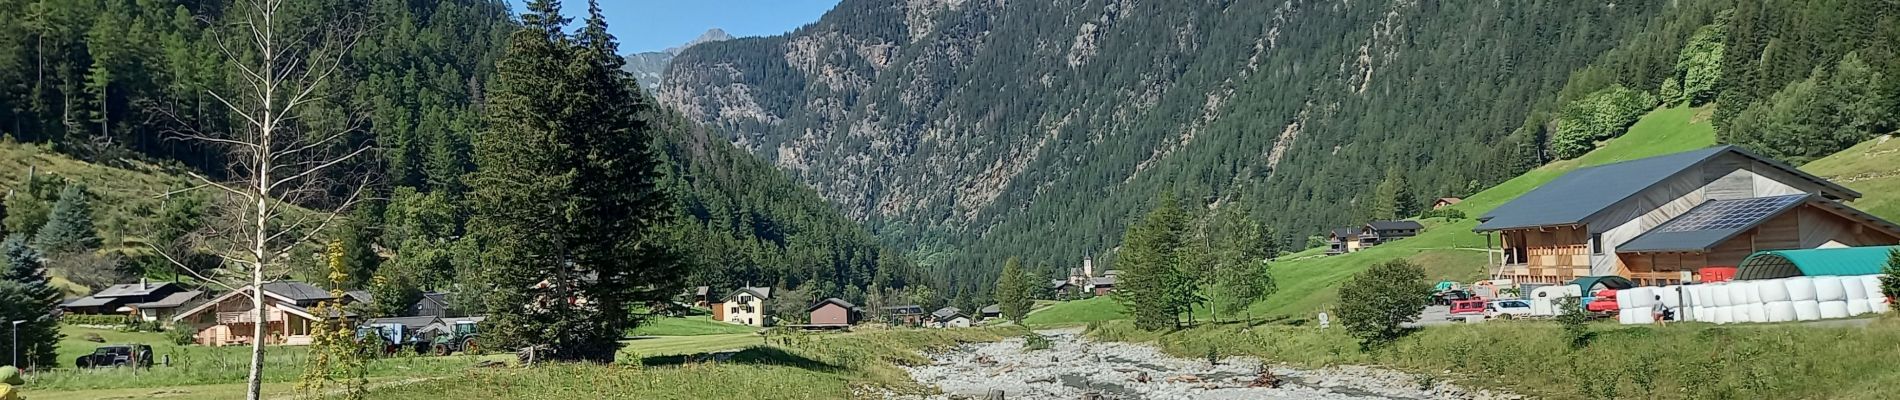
column 1472, row 306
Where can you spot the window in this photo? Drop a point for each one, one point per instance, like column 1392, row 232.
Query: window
column 1596, row 243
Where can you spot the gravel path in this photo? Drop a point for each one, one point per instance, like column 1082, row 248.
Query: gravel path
column 1075, row 367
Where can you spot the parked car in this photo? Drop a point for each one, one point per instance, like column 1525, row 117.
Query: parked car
column 1507, row 309
column 1464, row 309
column 117, row 356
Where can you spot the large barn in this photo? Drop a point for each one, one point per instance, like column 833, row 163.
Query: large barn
column 1660, row 220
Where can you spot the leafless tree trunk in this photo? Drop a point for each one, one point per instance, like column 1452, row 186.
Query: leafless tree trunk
column 278, row 163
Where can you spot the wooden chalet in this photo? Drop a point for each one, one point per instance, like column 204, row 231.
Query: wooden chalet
column 1660, row 220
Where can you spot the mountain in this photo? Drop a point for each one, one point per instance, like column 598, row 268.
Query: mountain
column 971, row 131
column 649, row 66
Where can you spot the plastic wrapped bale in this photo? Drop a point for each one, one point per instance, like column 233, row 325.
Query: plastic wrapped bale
column 1855, row 287
column 1719, row 295
column 1781, row 311
column 1800, row 288
column 1807, row 310
column 1638, row 316
column 1878, row 306
column 1722, row 315
column 1758, row 312
column 1829, row 288
column 1737, row 294
column 1872, row 283
column 1671, row 296
column 1834, row 309
column 1859, row 307
column 1753, row 291
column 1772, row 290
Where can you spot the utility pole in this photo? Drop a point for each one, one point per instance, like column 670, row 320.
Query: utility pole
column 16, row 341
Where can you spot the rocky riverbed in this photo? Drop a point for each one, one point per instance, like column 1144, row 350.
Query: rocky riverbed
column 1076, row 368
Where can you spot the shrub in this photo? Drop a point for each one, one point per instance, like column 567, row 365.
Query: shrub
column 181, row 337
column 94, row 319
column 1446, row 213
column 1374, row 304
column 1601, row 115
column 1575, row 322
column 1890, row 282
column 1033, row 341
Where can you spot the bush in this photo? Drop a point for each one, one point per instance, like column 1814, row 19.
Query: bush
column 1374, row 304
column 1575, row 322
column 1033, row 341
column 94, row 319
column 1601, row 115
column 181, row 337
column 1446, row 213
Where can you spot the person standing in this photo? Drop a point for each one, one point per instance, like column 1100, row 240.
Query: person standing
column 1660, row 311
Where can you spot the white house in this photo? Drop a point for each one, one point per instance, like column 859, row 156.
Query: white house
column 745, row 306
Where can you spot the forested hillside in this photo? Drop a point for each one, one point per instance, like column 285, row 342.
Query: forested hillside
column 115, row 84
column 973, row 131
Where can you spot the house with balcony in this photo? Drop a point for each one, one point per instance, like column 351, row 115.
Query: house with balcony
column 745, row 306
column 1377, row 232
column 1343, row 240
column 230, row 319
column 146, row 301
column 1660, row 220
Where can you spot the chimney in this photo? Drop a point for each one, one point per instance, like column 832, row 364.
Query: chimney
column 142, row 284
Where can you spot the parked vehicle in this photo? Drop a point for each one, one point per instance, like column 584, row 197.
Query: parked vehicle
column 461, row 338
column 1464, row 309
column 1507, row 309
column 389, row 339
column 1603, row 302
column 117, row 356
column 1446, row 297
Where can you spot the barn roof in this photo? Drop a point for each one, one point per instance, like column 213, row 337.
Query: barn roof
column 1846, row 261
column 1583, row 193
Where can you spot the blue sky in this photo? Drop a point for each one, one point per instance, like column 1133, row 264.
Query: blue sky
column 653, row 25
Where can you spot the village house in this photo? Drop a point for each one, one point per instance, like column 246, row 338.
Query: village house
column 1660, row 220
column 905, row 315
column 949, row 317
column 1343, row 240
column 1062, row 289
column 698, row 296
column 228, row 319
column 833, row 312
column 1104, row 285
column 990, row 312
column 1443, row 202
column 144, row 300
column 1377, row 232
column 745, row 306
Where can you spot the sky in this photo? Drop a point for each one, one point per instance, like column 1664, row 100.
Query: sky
column 654, row 25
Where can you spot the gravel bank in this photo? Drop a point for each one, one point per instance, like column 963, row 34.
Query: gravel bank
column 1075, row 367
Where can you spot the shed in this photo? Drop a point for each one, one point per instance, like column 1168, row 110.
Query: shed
column 1845, row 261
column 833, row 311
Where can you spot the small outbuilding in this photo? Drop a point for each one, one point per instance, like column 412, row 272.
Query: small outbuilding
column 1842, row 261
column 833, row 312
column 905, row 315
column 949, row 317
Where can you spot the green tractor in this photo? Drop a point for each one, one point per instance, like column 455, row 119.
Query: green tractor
column 461, row 338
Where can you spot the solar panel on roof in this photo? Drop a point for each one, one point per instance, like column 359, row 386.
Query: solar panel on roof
column 1730, row 214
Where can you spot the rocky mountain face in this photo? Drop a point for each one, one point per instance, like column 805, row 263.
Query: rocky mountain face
column 649, row 66
column 974, row 130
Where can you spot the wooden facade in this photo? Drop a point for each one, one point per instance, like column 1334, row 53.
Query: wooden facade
column 1549, row 255
column 1804, row 227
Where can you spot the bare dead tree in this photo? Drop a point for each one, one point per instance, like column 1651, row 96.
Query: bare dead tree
column 279, row 158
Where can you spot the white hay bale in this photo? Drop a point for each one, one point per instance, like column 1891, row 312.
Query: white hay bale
column 1879, row 306
column 1639, row 297
column 1719, row 296
column 1737, row 294
column 1753, row 291
column 1639, row 316
column 1829, row 288
column 1872, row 283
column 1855, row 287
column 1723, row 315
column 1807, row 310
column 1757, row 312
column 1800, row 288
column 1772, row 290
column 1781, row 311
column 1859, row 307
column 1834, row 309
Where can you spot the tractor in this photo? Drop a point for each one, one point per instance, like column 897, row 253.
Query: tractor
column 461, row 338
column 387, row 339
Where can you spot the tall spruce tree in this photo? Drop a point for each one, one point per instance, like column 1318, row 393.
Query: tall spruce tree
column 69, row 228
column 565, row 202
column 26, row 294
column 1152, row 284
column 1012, row 290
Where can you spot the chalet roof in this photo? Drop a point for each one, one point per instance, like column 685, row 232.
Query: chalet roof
column 905, row 310
column 360, row 296
column 438, row 298
column 1058, row 283
column 1716, row 221
column 1450, row 200
column 174, row 300
column 1349, row 231
column 131, row 289
column 992, row 309
column 297, row 291
column 88, row 301
column 1394, row 225
column 945, row 313
column 761, row 292
column 831, row 300
column 1583, row 193
column 701, row 290
column 1102, row 281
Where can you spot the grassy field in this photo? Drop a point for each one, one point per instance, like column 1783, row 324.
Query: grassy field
column 688, row 326
column 1077, row 312
column 1680, row 361
column 194, row 366
column 1447, row 249
column 812, row 366
column 1871, row 168
column 677, row 345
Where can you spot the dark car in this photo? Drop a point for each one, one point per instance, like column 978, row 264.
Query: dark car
column 117, row 356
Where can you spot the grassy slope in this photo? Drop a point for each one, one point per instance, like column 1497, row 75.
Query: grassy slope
column 1873, row 169
column 1680, row 361
column 1447, row 249
column 688, row 326
column 126, row 196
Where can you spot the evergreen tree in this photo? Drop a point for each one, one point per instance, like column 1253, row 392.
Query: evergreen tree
column 1013, row 290
column 26, row 294
column 28, row 207
column 566, row 204
column 1151, row 283
column 1890, row 277
column 69, row 228
column 1389, row 197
